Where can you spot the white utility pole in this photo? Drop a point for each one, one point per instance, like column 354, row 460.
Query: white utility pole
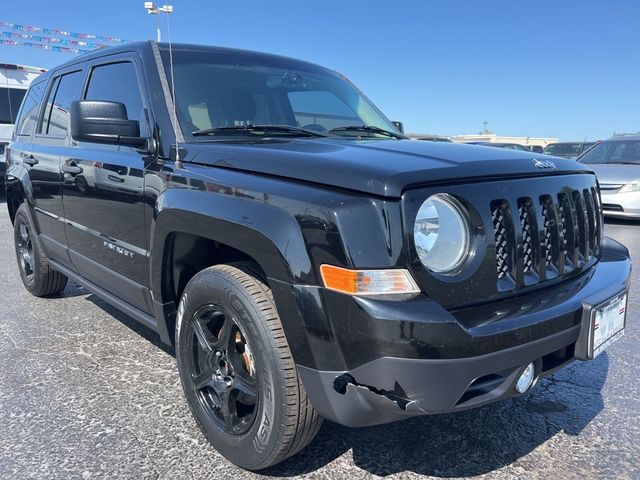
column 152, row 9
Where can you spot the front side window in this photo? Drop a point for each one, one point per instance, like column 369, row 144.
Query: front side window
column 10, row 100
column 216, row 90
column 65, row 90
column 28, row 115
column 116, row 82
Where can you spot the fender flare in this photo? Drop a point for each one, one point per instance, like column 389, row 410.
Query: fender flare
column 268, row 234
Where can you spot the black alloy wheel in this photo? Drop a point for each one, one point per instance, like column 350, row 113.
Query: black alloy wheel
column 36, row 274
column 237, row 370
column 24, row 247
column 222, row 368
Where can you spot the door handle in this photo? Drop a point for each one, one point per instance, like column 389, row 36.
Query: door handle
column 29, row 159
column 71, row 169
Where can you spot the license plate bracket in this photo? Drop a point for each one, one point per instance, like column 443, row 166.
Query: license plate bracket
column 604, row 324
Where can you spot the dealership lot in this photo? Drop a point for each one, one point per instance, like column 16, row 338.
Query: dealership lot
column 85, row 392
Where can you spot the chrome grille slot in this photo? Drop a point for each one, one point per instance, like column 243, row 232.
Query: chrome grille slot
column 567, row 221
column 505, row 242
column 591, row 212
column 549, row 240
column 583, row 225
column 530, row 240
column 598, row 215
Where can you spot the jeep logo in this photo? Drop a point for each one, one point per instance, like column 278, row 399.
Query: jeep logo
column 545, row 164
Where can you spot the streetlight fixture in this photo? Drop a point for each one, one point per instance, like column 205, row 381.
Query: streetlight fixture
column 153, row 9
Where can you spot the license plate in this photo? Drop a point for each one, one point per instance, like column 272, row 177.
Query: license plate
column 607, row 325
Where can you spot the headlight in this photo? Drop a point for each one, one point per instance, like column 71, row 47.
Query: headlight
column 441, row 234
column 630, row 187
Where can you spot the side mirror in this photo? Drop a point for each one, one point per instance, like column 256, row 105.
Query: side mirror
column 104, row 122
column 399, row 126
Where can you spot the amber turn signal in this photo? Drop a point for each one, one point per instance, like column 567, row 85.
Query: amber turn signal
column 368, row 282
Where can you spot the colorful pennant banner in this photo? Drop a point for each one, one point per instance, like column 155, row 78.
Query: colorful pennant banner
column 62, row 33
column 51, row 48
column 45, row 39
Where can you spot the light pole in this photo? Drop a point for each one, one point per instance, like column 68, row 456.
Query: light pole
column 152, row 9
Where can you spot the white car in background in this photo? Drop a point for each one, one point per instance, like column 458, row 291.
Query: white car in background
column 617, row 166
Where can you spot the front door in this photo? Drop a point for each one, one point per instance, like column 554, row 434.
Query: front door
column 103, row 194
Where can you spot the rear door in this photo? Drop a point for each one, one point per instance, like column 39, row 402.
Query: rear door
column 103, row 191
column 43, row 159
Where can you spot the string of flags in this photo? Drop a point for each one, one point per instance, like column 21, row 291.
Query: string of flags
column 62, row 33
column 46, row 39
column 52, row 39
column 41, row 46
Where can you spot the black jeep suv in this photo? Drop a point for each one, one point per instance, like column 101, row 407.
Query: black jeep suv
column 305, row 259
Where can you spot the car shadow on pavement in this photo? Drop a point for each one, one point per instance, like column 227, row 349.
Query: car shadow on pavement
column 129, row 322
column 468, row 443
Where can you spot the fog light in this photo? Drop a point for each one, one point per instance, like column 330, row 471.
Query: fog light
column 526, row 379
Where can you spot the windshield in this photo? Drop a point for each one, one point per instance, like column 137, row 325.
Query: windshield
column 219, row 89
column 627, row 151
column 566, row 149
column 10, row 100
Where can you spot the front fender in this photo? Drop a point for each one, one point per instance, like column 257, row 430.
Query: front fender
column 266, row 233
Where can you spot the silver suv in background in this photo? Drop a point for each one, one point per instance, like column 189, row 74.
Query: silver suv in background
column 617, row 165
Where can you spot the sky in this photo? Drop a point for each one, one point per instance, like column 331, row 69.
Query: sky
column 547, row 68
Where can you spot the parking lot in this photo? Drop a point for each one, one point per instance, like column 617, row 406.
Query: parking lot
column 85, row 392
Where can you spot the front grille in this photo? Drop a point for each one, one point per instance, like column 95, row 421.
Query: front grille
column 552, row 235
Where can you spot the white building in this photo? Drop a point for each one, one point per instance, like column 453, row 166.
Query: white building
column 493, row 138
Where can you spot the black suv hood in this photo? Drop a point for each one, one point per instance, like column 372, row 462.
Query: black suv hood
column 379, row 167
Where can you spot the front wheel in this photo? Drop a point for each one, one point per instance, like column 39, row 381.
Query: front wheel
column 237, row 371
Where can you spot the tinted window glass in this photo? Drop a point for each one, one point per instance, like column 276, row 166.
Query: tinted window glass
column 318, row 107
column 10, row 100
column 614, row 152
column 224, row 90
column 29, row 113
column 116, row 82
column 57, row 115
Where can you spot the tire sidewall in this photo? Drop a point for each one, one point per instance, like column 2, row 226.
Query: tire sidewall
column 22, row 217
column 255, row 446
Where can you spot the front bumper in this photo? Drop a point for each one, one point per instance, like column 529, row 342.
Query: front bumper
column 620, row 205
column 417, row 359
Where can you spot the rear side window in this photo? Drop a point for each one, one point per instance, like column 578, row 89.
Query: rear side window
column 116, row 82
column 26, row 122
column 56, row 117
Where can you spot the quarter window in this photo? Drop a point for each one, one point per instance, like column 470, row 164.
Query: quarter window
column 28, row 115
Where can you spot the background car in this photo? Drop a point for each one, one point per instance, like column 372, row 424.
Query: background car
column 617, row 165
column 434, row 138
column 535, row 148
column 567, row 149
column 511, row 146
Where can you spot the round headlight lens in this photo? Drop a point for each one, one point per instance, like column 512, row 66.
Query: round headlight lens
column 441, row 234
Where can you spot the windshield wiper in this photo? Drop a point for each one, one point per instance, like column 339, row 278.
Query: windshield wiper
column 286, row 129
column 368, row 129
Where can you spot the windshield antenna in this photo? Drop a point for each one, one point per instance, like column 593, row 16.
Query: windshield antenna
column 173, row 86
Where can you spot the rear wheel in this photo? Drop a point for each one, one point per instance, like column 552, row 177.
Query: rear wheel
column 237, row 371
column 37, row 276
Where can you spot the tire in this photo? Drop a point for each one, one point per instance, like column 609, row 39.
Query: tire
column 37, row 276
column 254, row 409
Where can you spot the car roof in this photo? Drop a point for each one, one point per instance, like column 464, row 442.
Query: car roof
column 176, row 47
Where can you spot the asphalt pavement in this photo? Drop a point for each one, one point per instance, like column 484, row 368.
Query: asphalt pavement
column 87, row 393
